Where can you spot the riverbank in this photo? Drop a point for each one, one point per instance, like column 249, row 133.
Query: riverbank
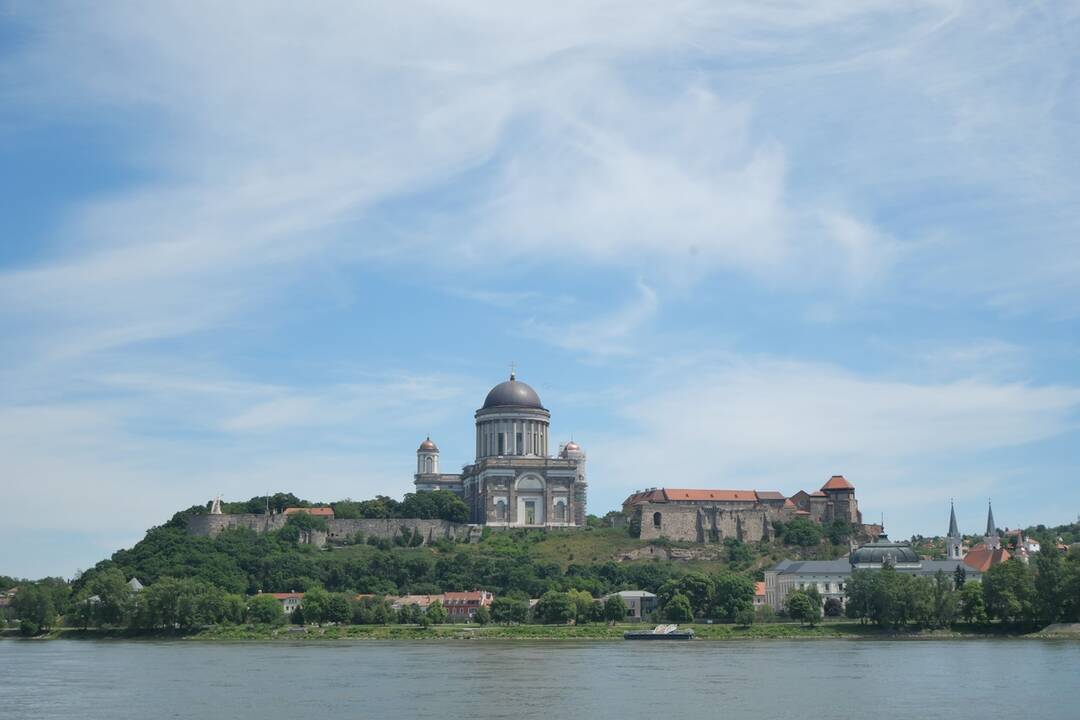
column 592, row 632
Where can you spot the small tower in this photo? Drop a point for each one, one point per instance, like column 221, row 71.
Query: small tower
column 991, row 539
column 427, row 458
column 954, row 542
column 215, row 508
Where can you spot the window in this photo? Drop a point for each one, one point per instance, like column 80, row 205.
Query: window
column 656, row 520
column 519, row 449
column 502, row 444
column 560, row 512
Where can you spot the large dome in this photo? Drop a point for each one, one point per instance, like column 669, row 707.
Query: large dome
column 512, row 393
column 883, row 551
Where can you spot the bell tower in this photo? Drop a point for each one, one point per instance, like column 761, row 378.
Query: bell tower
column 954, row 542
column 427, row 458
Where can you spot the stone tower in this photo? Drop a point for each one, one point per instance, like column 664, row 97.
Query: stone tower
column 954, row 542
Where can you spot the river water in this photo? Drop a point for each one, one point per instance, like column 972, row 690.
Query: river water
column 339, row 680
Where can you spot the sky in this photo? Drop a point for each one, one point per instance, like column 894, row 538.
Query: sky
column 262, row 247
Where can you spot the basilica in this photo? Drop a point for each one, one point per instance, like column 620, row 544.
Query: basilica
column 513, row 482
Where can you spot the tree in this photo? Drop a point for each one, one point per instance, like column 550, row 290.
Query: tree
column 377, row 611
column 800, row 606
column 739, row 554
column 732, row 593
column 584, row 606
column 945, row 600
column 338, row 609
column 483, row 615
column 114, row 597
column 436, row 613
column 35, row 607
column 833, row 607
column 235, row 608
column 745, row 617
column 316, row 604
column 972, row 604
column 839, row 531
column 265, row 609
column 556, row 608
column 801, row 531
column 1009, row 592
column 508, row 610
column 696, row 587
column 615, row 609
column 678, row 609
column 409, row 614
column 1049, row 584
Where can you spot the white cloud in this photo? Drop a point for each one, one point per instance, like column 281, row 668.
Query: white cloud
column 789, row 425
column 603, row 336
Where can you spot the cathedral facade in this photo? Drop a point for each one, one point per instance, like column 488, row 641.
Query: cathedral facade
column 514, row 481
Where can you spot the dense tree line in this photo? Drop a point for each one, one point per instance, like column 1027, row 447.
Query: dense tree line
column 1040, row 593
column 241, row 561
column 435, row 505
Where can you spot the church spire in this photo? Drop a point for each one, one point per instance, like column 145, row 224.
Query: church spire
column 991, row 527
column 954, row 531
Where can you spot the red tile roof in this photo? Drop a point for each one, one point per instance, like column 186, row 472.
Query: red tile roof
column 770, row 495
column 788, row 503
column 318, row 512
column 982, row 558
column 818, row 494
column 285, row 596
column 721, row 495
column 837, row 482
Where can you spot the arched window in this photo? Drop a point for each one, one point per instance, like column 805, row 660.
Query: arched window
column 500, row 510
column 429, row 465
column 530, row 482
column 656, row 520
column 560, row 512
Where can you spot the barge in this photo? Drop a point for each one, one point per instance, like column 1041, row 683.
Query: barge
column 660, row 632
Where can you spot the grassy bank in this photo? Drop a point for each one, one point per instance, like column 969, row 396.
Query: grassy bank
column 779, row 631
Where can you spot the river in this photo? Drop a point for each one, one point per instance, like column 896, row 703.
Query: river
column 339, row 680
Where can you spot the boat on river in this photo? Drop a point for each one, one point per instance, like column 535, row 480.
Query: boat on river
column 660, row 632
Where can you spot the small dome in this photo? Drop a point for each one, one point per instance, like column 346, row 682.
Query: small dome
column 572, row 446
column 512, row 393
column 883, row 551
column 428, row 446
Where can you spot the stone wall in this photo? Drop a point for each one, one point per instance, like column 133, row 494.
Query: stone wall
column 706, row 523
column 388, row 529
column 338, row 530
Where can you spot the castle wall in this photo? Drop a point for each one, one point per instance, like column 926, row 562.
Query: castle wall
column 338, row 529
column 708, row 523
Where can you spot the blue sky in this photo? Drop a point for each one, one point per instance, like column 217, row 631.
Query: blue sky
column 737, row 245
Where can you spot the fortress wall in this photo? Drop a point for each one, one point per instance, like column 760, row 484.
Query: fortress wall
column 212, row 525
column 338, row 530
column 697, row 523
column 389, row 528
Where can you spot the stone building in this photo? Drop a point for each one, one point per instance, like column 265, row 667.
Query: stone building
column 640, row 604
column 747, row 515
column 830, row 577
column 514, row 481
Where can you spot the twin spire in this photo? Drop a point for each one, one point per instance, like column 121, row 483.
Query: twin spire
column 954, row 529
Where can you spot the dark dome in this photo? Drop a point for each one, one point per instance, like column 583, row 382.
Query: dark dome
column 884, row 550
column 512, row 393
